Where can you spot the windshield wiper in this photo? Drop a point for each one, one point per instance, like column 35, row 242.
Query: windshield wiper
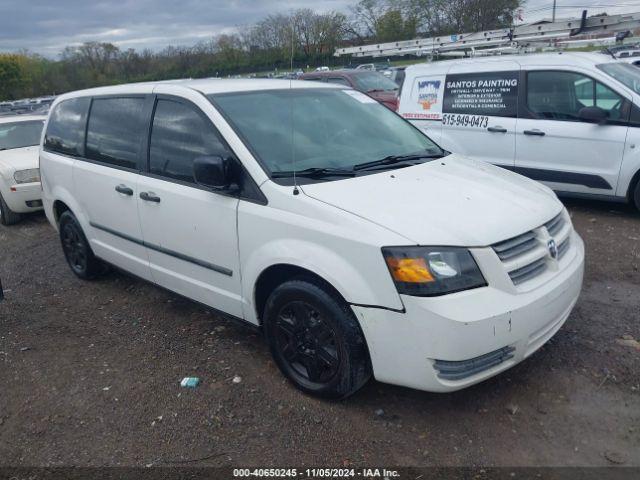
column 394, row 159
column 315, row 172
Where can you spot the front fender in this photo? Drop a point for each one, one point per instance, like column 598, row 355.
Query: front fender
column 353, row 284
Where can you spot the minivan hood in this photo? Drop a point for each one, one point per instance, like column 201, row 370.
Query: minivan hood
column 450, row 201
column 18, row 159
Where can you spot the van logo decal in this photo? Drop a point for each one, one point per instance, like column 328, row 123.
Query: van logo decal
column 428, row 93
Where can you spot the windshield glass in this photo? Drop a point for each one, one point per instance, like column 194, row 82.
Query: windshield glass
column 625, row 73
column 319, row 128
column 20, row 134
column 367, row 81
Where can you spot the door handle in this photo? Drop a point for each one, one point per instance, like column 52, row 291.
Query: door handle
column 149, row 197
column 497, row 129
column 535, row 131
column 124, row 190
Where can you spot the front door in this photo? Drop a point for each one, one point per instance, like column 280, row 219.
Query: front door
column 190, row 232
column 556, row 146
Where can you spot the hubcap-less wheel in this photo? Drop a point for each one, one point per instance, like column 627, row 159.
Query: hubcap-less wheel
column 74, row 248
column 306, row 342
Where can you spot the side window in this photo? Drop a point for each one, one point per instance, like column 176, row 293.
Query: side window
column 338, row 80
column 179, row 135
column 561, row 96
column 115, row 128
column 65, row 130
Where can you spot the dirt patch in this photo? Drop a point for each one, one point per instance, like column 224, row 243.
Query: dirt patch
column 90, row 372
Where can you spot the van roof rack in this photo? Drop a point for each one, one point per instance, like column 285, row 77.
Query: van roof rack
column 502, row 40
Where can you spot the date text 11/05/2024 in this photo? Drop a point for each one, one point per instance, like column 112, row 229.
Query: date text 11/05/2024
column 365, row 473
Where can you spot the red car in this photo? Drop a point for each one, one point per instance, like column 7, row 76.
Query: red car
column 374, row 84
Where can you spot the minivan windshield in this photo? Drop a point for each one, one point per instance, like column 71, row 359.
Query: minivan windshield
column 328, row 130
column 20, row 134
column 625, row 73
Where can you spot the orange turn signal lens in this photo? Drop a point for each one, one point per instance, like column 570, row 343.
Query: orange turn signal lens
column 409, row 270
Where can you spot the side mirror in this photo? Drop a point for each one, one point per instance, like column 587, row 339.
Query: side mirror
column 593, row 115
column 212, row 172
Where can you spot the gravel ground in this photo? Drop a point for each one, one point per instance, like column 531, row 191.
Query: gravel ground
column 89, row 375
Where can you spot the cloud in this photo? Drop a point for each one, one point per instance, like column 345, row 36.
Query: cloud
column 46, row 26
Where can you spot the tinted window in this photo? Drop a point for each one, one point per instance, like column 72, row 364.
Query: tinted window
column 561, row 96
column 179, row 135
column 339, row 81
column 20, row 134
column 65, row 130
column 115, row 130
column 368, row 81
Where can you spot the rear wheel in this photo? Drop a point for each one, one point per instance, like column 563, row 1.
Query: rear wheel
column 636, row 195
column 7, row 216
column 77, row 250
column 316, row 340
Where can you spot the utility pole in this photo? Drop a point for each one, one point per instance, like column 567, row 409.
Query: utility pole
column 553, row 15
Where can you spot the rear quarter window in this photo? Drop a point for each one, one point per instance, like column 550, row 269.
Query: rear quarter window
column 65, row 130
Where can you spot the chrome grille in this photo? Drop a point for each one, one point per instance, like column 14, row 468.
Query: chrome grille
column 515, row 246
column 555, row 224
column 528, row 271
column 563, row 247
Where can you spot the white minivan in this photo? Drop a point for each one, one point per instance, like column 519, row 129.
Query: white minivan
column 570, row 120
column 356, row 243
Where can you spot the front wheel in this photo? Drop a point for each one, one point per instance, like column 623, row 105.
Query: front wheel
column 316, row 340
column 636, row 195
column 8, row 216
column 76, row 248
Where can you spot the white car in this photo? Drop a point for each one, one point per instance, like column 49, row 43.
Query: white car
column 308, row 209
column 569, row 120
column 19, row 175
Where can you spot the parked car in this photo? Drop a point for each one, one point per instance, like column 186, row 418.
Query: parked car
column 19, row 175
column 374, row 84
column 322, row 69
column 375, row 67
column 396, row 74
column 356, row 243
column 570, row 120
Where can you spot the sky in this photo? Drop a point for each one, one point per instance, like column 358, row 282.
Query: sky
column 47, row 26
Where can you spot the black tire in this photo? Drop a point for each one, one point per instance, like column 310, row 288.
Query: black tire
column 77, row 250
column 7, row 216
column 636, row 195
column 315, row 339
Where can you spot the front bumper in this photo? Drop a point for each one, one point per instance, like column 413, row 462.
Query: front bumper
column 404, row 347
column 23, row 197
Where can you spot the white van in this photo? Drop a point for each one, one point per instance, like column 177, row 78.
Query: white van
column 570, row 120
column 356, row 243
column 20, row 190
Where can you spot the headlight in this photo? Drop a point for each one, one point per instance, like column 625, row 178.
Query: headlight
column 27, row 176
column 431, row 271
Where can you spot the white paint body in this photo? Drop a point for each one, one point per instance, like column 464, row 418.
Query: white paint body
column 17, row 194
column 607, row 151
column 336, row 230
